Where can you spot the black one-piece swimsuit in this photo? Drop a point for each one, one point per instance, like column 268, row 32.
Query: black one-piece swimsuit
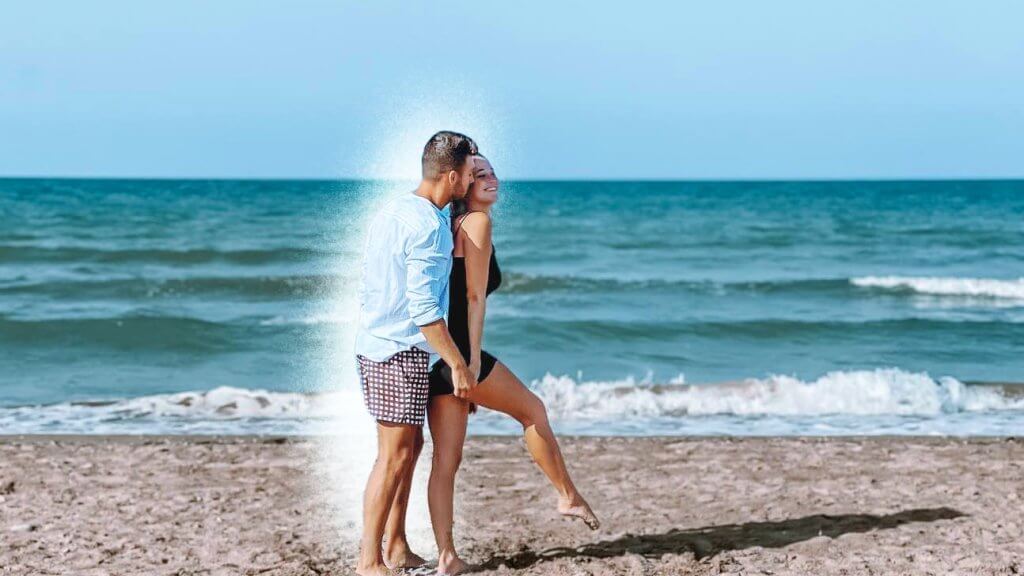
column 458, row 325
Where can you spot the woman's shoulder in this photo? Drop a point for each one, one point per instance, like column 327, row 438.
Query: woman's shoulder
column 476, row 225
column 476, row 219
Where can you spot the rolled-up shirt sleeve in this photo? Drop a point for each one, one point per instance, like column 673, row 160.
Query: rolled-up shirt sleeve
column 427, row 274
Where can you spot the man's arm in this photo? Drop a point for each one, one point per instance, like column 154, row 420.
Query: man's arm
column 440, row 340
column 426, row 280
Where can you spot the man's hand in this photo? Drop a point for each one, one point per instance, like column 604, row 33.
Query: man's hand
column 463, row 380
column 474, row 368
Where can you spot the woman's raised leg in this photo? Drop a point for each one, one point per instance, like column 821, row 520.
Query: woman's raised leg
column 504, row 392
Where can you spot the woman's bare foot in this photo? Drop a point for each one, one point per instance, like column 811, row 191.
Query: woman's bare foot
column 577, row 507
column 449, row 564
column 402, row 557
column 376, row 570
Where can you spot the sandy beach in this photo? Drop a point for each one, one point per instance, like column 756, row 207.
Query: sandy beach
column 243, row 505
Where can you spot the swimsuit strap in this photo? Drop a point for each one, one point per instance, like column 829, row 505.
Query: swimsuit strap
column 461, row 220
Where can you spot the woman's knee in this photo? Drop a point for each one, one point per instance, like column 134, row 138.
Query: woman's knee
column 533, row 413
column 447, row 461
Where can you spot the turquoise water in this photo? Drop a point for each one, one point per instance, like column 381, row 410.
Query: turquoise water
column 841, row 307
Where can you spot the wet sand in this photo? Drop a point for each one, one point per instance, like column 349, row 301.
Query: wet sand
column 184, row 506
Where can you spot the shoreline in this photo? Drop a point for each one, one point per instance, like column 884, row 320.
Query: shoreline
column 678, row 505
column 301, row 438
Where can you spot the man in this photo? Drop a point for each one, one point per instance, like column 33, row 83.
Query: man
column 403, row 305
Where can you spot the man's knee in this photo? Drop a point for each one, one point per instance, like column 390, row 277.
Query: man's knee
column 401, row 452
column 400, row 457
column 418, row 446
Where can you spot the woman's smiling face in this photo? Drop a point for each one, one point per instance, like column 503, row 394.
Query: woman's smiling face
column 485, row 183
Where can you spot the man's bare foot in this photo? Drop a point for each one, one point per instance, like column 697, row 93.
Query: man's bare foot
column 402, row 557
column 577, row 507
column 450, row 565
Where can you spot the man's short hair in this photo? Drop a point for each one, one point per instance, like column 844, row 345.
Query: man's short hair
column 446, row 151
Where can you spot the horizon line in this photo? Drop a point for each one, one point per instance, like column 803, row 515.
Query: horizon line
column 652, row 180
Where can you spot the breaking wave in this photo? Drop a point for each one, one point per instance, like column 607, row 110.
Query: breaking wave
column 868, row 392
column 969, row 287
column 229, row 410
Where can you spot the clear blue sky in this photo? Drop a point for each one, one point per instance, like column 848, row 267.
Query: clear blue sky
column 252, row 88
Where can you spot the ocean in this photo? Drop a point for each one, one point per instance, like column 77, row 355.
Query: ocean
column 631, row 308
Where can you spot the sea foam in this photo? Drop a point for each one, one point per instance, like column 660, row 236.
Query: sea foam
column 222, row 410
column 972, row 287
column 229, row 410
column 867, row 392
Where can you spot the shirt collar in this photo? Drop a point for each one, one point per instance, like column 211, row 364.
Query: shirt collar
column 445, row 213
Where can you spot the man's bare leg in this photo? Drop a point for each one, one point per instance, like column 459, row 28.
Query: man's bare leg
column 396, row 449
column 397, row 553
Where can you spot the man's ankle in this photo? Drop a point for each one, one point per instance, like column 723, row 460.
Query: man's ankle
column 365, row 565
column 370, row 556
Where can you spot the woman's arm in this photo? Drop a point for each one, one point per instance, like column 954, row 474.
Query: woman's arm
column 476, row 248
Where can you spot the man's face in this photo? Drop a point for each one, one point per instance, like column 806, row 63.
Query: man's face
column 465, row 179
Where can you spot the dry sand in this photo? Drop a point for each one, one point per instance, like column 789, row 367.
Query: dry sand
column 95, row 505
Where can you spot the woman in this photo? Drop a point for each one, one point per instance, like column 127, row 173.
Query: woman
column 475, row 274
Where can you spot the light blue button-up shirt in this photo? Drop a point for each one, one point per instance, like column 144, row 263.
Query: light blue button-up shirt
column 406, row 264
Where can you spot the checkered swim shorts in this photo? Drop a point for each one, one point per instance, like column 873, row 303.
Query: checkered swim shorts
column 396, row 390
